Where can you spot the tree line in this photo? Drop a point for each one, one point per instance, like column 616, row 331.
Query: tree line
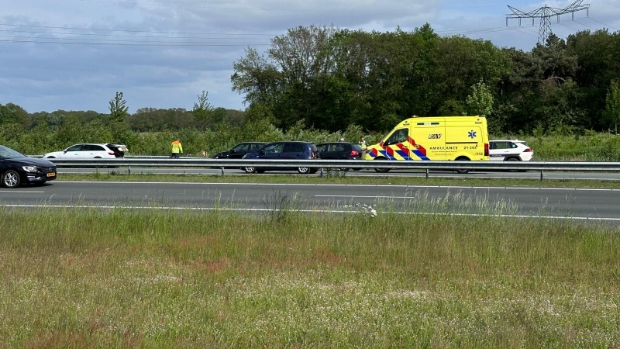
column 327, row 77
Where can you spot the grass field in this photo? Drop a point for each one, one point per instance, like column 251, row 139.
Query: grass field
column 177, row 279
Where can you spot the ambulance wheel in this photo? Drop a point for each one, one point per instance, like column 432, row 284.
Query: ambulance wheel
column 381, row 170
column 462, row 171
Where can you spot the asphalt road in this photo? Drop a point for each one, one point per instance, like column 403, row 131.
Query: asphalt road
column 578, row 204
column 371, row 173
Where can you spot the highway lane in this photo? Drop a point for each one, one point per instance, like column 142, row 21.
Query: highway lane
column 600, row 204
column 363, row 173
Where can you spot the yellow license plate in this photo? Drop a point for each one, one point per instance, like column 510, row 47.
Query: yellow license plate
column 51, row 174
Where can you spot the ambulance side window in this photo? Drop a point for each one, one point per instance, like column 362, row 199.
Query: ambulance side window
column 399, row 136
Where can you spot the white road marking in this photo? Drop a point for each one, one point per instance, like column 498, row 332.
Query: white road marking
column 349, row 185
column 177, row 208
column 366, row 196
column 23, row 191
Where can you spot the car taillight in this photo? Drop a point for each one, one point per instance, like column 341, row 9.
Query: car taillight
column 528, row 150
column 110, row 153
column 354, row 153
column 486, row 149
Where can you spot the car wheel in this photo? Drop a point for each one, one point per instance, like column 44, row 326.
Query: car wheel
column 462, row 171
column 10, row 179
column 249, row 169
column 515, row 159
column 303, row 170
column 381, row 170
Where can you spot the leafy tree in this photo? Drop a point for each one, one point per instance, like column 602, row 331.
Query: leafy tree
column 612, row 105
column 14, row 114
column 118, row 108
column 118, row 118
column 451, row 107
column 257, row 77
column 288, row 80
column 69, row 132
column 234, row 118
column 203, row 110
column 480, row 101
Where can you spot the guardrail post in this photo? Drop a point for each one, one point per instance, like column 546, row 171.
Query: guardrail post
column 427, row 173
column 541, row 175
column 221, row 168
column 128, row 170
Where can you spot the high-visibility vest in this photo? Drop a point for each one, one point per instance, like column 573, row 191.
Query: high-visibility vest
column 177, row 147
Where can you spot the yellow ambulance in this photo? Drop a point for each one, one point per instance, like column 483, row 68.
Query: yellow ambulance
column 439, row 138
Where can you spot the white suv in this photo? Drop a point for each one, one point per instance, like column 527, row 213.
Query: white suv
column 90, row 151
column 510, row 150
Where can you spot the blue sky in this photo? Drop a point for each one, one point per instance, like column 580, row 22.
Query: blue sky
column 75, row 54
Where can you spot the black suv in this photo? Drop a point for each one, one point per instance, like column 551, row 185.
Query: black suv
column 239, row 150
column 294, row 150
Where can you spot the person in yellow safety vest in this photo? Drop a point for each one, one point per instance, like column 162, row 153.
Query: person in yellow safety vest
column 363, row 143
column 177, row 149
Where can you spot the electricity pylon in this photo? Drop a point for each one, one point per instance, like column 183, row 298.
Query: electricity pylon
column 545, row 13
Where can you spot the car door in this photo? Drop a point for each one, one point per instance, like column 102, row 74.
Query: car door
column 273, row 151
column 397, row 145
column 342, row 150
column 294, row 151
column 238, row 151
column 501, row 150
column 321, row 150
column 331, row 151
column 256, row 146
column 73, row 152
column 90, row 151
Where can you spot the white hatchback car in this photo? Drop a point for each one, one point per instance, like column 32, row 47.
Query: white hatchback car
column 90, row 151
column 510, row 150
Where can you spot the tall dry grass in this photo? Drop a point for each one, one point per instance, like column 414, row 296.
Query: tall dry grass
column 159, row 279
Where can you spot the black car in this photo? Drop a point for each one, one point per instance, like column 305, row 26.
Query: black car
column 294, row 150
column 239, row 150
column 17, row 169
column 340, row 151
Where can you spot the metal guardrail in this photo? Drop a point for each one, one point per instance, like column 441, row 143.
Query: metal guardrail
column 337, row 164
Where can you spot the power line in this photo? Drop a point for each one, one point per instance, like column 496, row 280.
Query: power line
column 607, row 25
column 121, row 43
column 128, row 30
column 545, row 13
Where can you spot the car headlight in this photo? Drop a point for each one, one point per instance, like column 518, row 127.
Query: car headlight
column 30, row 168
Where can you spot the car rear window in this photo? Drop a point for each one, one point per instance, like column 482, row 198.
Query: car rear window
column 357, row 147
